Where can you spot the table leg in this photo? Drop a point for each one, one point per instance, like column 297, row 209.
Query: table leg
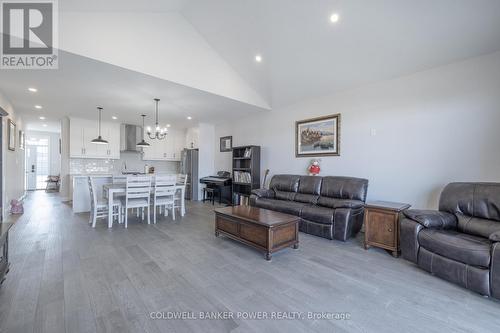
column 183, row 201
column 110, row 209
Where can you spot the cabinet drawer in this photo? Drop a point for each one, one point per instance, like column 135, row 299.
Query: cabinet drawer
column 254, row 234
column 227, row 226
column 381, row 228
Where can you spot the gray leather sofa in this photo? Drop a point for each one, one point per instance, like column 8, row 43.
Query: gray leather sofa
column 461, row 241
column 329, row 207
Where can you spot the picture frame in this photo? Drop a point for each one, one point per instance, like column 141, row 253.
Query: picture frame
column 11, row 135
column 226, row 143
column 22, row 137
column 318, row 136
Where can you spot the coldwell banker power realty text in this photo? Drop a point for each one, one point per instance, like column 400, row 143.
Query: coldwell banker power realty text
column 29, row 34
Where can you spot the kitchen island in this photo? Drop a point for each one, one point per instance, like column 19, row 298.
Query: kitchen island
column 80, row 189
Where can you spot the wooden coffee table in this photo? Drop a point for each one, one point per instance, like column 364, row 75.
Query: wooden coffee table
column 259, row 228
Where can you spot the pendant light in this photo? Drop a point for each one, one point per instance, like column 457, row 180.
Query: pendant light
column 99, row 140
column 159, row 133
column 142, row 144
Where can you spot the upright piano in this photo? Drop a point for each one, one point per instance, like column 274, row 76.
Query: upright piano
column 222, row 181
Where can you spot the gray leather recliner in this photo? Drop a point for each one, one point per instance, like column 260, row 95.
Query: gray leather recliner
column 461, row 241
column 329, row 207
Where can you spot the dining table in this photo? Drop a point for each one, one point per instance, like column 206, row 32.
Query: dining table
column 115, row 189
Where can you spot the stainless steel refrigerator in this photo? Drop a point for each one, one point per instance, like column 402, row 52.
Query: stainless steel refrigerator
column 189, row 166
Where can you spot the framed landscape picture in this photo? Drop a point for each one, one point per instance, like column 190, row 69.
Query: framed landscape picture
column 11, row 127
column 318, row 136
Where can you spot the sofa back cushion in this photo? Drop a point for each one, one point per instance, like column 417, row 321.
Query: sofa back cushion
column 476, row 205
column 477, row 226
column 472, row 199
column 309, row 189
column 343, row 188
column 285, row 186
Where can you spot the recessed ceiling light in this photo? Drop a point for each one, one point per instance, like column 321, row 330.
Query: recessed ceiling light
column 42, row 118
column 33, row 89
column 114, row 117
column 189, row 117
column 258, row 58
column 334, row 18
column 38, row 107
column 44, row 125
column 168, row 125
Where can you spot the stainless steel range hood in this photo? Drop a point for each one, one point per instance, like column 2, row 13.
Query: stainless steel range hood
column 130, row 135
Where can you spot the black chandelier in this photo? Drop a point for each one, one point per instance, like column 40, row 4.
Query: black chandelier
column 159, row 133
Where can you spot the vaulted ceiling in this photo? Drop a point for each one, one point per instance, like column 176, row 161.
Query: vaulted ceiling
column 208, row 48
column 305, row 55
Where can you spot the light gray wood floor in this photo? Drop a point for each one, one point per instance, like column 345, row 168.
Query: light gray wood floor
column 67, row 277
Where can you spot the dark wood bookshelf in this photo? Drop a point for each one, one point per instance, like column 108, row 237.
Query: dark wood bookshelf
column 244, row 164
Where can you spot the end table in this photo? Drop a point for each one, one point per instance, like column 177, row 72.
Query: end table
column 382, row 225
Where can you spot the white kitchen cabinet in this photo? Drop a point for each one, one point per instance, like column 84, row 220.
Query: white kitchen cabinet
column 111, row 132
column 83, row 131
column 168, row 149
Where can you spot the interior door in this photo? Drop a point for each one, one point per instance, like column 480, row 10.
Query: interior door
column 31, row 168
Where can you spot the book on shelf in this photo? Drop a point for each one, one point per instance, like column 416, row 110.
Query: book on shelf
column 241, row 199
column 242, row 177
column 248, row 153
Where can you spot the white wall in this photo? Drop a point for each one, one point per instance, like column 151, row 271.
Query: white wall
column 206, row 157
column 433, row 127
column 13, row 161
column 65, row 188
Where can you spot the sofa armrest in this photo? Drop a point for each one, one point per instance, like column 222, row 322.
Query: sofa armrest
column 408, row 230
column 263, row 193
column 432, row 218
column 495, row 270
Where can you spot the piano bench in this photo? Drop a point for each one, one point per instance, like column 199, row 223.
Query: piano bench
column 209, row 194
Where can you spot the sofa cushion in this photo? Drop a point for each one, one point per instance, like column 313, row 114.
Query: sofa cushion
column 310, row 185
column 284, row 195
column 468, row 249
column 287, row 207
column 472, row 199
column 318, row 214
column 340, row 203
column 306, row 198
column 477, row 226
column 285, row 186
column 344, row 188
column 309, row 189
column 285, row 183
column 495, row 237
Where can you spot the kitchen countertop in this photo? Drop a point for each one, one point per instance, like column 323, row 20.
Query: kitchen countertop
column 94, row 175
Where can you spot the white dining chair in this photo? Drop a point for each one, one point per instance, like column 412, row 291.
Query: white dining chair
column 181, row 182
column 99, row 207
column 137, row 195
column 163, row 196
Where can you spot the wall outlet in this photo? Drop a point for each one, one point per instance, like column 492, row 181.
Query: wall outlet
column 373, row 132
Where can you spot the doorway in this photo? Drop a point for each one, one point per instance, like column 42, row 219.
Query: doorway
column 37, row 162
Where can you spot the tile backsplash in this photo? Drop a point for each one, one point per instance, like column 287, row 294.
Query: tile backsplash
column 129, row 160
